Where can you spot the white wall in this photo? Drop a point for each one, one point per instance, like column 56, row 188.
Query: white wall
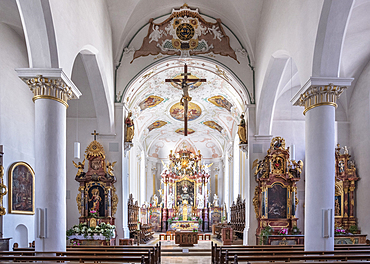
column 17, row 125
column 359, row 115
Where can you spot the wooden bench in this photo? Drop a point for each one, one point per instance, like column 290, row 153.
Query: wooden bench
column 156, row 250
column 219, row 252
column 82, row 259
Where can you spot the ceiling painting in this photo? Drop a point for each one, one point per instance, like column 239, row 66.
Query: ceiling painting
column 185, row 32
column 150, row 101
column 181, row 131
column 156, row 124
column 221, row 101
column 177, row 111
column 213, row 125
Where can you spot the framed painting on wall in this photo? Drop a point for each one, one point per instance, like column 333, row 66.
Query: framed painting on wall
column 21, row 189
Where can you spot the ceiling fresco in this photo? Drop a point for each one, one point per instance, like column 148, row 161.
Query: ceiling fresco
column 213, row 111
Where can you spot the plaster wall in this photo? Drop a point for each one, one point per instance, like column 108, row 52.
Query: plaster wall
column 296, row 19
column 89, row 24
column 359, row 114
column 17, row 121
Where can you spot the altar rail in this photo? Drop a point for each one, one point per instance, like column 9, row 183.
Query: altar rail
column 226, row 254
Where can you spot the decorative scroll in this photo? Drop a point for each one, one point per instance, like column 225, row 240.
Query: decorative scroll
column 185, row 32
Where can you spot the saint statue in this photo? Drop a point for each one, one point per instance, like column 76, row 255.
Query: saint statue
column 242, row 130
column 216, row 200
column 170, row 201
column 130, row 128
column 155, row 200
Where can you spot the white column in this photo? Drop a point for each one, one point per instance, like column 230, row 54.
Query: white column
column 320, row 176
column 319, row 97
column 246, row 191
column 51, row 90
column 126, row 146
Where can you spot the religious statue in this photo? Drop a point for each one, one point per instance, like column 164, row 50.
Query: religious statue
column 341, row 166
column 242, row 131
column 345, row 150
column 185, row 210
column 200, row 199
column 170, row 201
column 130, row 128
column 80, row 166
column 110, row 166
column 337, row 208
column 155, row 200
column 161, row 193
column 216, row 200
column 96, row 199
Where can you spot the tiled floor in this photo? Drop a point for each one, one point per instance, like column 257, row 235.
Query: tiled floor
column 186, row 259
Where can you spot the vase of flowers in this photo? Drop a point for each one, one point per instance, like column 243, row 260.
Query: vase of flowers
column 101, row 231
column 339, row 231
column 93, row 214
column 295, row 230
column 283, row 231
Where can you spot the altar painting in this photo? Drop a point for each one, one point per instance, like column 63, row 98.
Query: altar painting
column 96, row 200
column 184, row 192
column 155, row 217
column 277, row 202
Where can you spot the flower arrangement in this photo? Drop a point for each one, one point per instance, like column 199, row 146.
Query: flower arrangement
column 339, row 231
column 104, row 229
column 353, row 229
column 195, row 230
column 93, row 214
column 283, row 231
column 75, row 243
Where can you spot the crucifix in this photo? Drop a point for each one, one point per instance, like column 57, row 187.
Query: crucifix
column 95, row 134
column 185, row 99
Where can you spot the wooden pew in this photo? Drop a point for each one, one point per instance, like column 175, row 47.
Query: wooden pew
column 216, row 251
column 155, row 249
column 81, row 259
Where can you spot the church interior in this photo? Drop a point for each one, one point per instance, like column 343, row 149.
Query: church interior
column 237, row 123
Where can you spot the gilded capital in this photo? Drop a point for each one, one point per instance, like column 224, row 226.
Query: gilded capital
column 320, row 91
column 49, row 84
column 320, row 95
column 45, row 88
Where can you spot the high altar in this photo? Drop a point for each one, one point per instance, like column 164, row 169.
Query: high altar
column 185, row 192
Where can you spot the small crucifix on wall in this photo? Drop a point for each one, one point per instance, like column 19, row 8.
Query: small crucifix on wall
column 185, row 99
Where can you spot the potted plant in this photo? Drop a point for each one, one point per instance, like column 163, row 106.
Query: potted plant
column 265, row 232
column 353, row 229
column 295, row 230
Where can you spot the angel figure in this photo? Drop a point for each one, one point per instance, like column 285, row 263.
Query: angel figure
column 110, row 167
column 80, row 166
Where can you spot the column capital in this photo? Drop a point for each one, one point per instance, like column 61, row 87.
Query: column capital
column 320, row 91
column 49, row 83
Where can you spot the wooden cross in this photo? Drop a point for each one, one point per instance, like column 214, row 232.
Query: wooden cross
column 95, row 134
column 185, row 83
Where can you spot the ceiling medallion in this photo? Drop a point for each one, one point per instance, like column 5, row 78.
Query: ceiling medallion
column 177, row 111
column 181, row 131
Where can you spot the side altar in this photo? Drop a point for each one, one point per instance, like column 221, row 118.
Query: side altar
column 97, row 199
column 185, row 193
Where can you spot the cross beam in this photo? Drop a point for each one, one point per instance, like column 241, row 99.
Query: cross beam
column 185, row 83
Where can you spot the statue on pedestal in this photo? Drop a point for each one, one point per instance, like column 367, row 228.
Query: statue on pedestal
column 242, row 131
column 216, row 200
column 130, row 128
column 155, row 200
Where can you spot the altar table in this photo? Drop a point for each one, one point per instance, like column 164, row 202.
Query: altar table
column 184, row 225
column 186, row 238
